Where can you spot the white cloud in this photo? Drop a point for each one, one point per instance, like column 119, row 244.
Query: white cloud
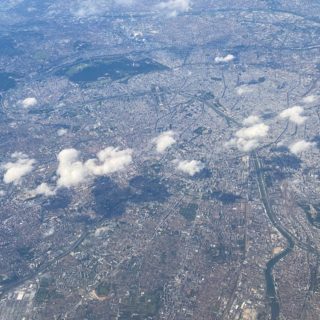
column 62, row 132
column 44, row 189
column 301, row 146
column 294, row 114
column 243, row 145
column 15, row 171
column 89, row 8
column 49, row 232
column 124, row 2
column 247, row 145
column 29, row 102
column 226, row 59
column 258, row 130
column 174, row 7
column 247, row 139
column 310, row 99
column 73, row 172
column 109, row 160
column 243, row 90
column 189, row 167
column 251, row 120
column 164, row 141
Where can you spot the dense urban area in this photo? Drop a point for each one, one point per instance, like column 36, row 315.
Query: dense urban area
column 159, row 159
